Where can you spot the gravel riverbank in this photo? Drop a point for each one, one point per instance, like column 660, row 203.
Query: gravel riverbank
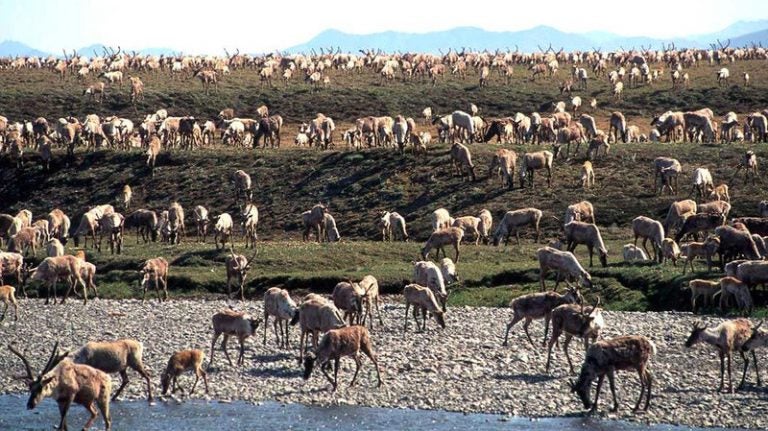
column 462, row 368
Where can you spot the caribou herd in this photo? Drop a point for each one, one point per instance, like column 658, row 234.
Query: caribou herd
column 735, row 247
column 636, row 67
column 739, row 244
column 561, row 122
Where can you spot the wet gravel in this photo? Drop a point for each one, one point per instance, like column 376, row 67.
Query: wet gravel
column 461, row 368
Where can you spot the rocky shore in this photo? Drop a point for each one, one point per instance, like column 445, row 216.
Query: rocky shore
column 462, row 368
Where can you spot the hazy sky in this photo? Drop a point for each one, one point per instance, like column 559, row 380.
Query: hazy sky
column 257, row 26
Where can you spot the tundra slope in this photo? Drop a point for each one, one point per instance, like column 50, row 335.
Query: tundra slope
column 376, row 183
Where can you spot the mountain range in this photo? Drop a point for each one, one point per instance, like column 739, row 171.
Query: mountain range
column 741, row 33
column 12, row 48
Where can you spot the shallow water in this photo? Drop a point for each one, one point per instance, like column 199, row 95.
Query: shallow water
column 214, row 415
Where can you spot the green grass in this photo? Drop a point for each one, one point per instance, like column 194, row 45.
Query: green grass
column 490, row 276
column 358, row 186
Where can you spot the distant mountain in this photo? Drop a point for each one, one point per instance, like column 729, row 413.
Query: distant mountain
column 741, row 33
column 11, row 48
column 530, row 40
column 739, row 29
column 97, row 48
column 469, row 37
column 760, row 37
column 640, row 42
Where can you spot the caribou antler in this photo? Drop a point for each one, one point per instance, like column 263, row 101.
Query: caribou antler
column 250, row 259
column 30, row 375
column 54, row 359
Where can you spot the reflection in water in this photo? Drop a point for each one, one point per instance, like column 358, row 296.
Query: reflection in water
column 201, row 415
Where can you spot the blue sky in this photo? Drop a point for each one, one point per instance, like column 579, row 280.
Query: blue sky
column 257, row 26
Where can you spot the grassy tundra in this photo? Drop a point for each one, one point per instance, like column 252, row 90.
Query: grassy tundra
column 28, row 94
column 359, row 186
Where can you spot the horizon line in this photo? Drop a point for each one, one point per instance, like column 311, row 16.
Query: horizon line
column 613, row 36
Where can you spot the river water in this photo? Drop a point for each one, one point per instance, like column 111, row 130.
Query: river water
column 214, row 415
